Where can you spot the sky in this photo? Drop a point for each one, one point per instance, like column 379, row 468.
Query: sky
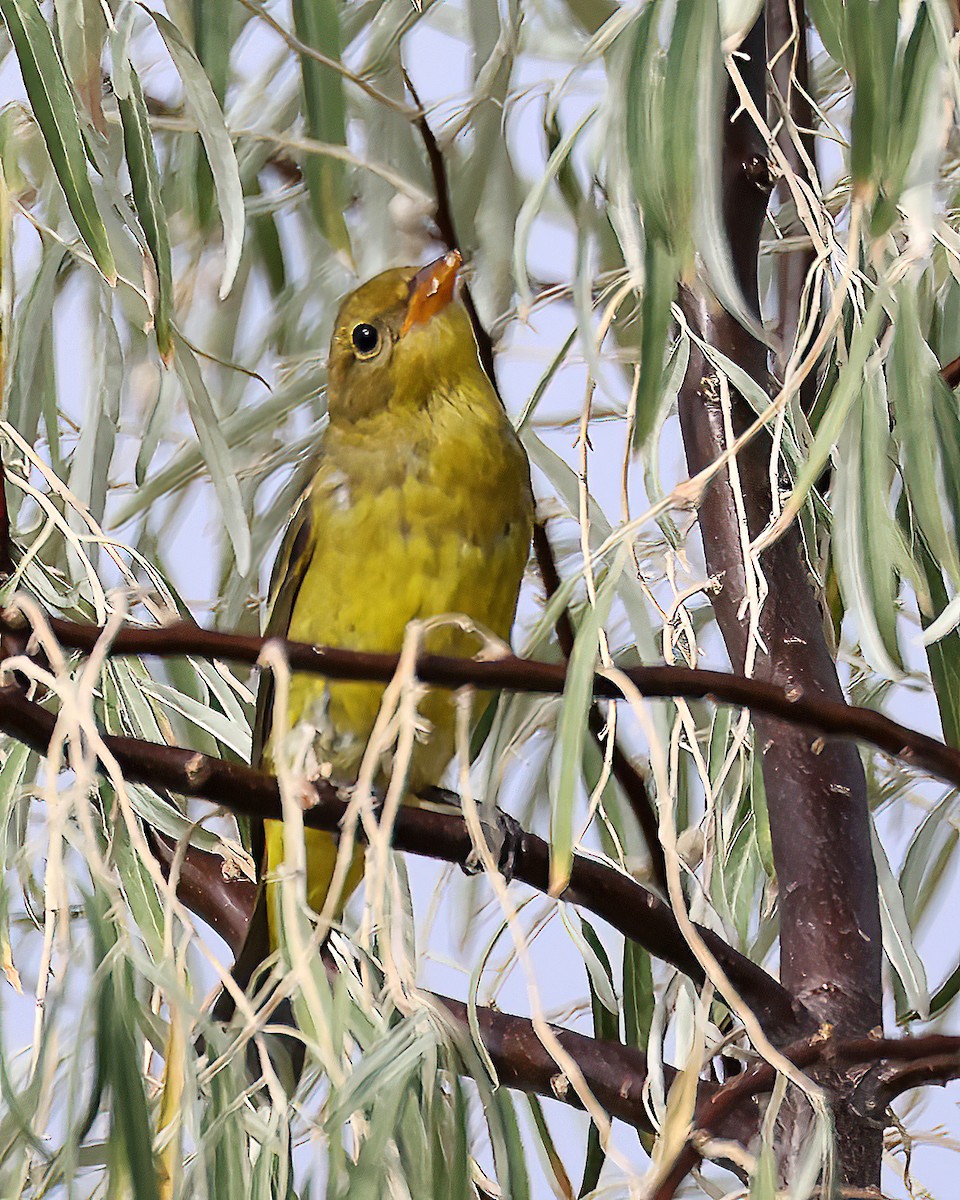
column 438, row 66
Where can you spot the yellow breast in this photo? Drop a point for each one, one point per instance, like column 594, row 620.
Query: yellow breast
column 423, row 514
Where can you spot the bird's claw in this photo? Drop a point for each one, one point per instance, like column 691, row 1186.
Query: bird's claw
column 504, row 838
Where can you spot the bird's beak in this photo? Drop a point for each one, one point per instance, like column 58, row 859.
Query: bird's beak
column 431, row 289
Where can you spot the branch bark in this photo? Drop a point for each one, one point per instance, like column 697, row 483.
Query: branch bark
column 596, row 886
column 791, row 696
column 616, row 1074
column 820, row 828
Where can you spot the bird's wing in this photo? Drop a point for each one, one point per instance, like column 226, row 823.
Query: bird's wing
column 288, row 572
column 285, row 583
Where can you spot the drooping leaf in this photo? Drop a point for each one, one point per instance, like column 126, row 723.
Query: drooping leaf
column 145, row 183
column 216, row 142
column 53, row 107
column 317, row 25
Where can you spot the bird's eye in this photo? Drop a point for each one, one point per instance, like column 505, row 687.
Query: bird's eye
column 366, row 340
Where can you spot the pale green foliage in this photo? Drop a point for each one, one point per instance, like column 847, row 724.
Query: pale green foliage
column 172, row 251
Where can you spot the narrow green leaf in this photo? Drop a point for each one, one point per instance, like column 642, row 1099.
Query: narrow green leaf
column 509, row 1150
column 943, row 655
column 119, row 1055
column 145, row 184
column 867, row 543
column 317, row 24
column 82, row 29
column 550, row 1156
column 913, row 374
column 638, row 995
column 52, row 102
column 659, row 288
column 216, row 142
column 897, row 935
column 224, row 729
column 828, row 19
column 572, row 727
column 841, row 399
column 213, row 35
column 606, row 1026
column 872, row 42
column 763, row 1183
column 931, row 851
column 216, row 453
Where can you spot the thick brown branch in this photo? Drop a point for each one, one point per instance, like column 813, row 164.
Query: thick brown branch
column 614, row 1073
column 796, row 702
column 829, row 917
column 597, row 886
column 830, row 942
column 625, row 773
column 931, row 1059
column 446, row 229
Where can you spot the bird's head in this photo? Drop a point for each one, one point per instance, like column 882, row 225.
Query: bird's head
column 399, row 340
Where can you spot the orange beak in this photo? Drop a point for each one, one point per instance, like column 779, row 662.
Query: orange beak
column 431, row 289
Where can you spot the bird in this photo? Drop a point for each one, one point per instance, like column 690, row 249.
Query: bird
column 420, row 505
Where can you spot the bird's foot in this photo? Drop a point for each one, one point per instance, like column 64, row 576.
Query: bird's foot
column 502, row 834
column 504, row 838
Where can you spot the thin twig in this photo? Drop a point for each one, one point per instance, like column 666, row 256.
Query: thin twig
column 446, row 229
column 595, row 885
column 615, row 1073
column 792, row 705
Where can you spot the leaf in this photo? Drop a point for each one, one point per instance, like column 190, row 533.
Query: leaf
column 931, row 849
column 52, row 102
column 659, row 287
column 638, row 995
column 118, row 1051
column 606, row 1027
column 145, row 184
column 235, row 735
column 841, row 399
column 572, row 727
column 553, row 1163
column 828, row 18
column 866, row 539
column 872, row 45
column 598, row 969
column 317, row 24
column 216, row 142
column 897, row 935
column 82, row 28
column 508, row 1147
column 943, row 654
column 913, row 377
column 215, row 452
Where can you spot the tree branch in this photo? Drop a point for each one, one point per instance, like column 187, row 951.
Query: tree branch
column 935, row 1058
column 797, row 702
column 615, row 1073
column 594, row 885
column 830, row 942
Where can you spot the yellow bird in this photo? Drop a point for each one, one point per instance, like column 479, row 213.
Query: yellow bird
column 420, row 505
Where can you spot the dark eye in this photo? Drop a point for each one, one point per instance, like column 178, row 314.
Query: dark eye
column 366, row 339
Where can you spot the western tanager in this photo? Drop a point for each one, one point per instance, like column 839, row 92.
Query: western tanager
column 420, row 505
